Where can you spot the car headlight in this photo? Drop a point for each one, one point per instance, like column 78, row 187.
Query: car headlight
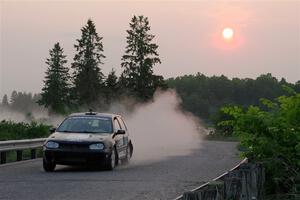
column 97, row 146
column 52, row 145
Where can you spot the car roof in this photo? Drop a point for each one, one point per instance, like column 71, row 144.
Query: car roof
column 110, row 115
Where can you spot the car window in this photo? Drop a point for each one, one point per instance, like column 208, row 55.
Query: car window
column 123, row 125
column 86, row 125
column 117, row 125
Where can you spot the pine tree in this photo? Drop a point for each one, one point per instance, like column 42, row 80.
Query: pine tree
column 139, row 59
column 87, row 76
column 13, row 96
column 5, row 101
column 112, row 87
column 55, row 93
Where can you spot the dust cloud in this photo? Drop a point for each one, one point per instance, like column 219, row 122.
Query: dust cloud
column 161, row 129
column 7, row 114
column 40, row 115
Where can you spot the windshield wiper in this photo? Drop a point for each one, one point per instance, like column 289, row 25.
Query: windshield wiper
column 89, row 132
column 66, row 131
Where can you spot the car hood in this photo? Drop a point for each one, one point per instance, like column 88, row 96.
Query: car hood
column 80, row 137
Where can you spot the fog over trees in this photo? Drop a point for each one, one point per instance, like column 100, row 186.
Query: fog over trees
column 81, row 84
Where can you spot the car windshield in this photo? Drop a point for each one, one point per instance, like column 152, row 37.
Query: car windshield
column 86, row 125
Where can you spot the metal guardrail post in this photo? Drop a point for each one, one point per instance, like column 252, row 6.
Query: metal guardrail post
column 19, row 155
column 33, row 153
column 3, row 157
column 19, row 146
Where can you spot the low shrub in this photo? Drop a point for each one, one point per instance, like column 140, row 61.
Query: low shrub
column 10, row 130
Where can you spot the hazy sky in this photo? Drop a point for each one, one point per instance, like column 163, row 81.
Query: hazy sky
column 189, row 35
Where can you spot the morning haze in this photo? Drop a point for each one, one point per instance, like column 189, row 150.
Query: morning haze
column 266, row 37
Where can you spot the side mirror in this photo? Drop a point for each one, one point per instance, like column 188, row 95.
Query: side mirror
column 52, row 130
column 120, row 132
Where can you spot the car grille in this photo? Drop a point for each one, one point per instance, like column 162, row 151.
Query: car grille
column 73, row 146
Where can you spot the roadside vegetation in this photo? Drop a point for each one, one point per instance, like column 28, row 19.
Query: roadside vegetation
column 270, row 134
column 15, row 131
column 262, row 114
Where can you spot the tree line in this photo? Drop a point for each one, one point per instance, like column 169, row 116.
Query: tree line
column 204, row 96
column 21, row 101
column 200, row 94
column 86, row 86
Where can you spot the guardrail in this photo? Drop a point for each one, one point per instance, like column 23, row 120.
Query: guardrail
column 244, row 181
column 215, row 179
column 19, row 146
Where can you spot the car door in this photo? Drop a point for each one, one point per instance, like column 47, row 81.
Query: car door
column 126, row 135
column 119, row 139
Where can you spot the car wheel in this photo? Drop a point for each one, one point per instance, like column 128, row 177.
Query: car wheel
column 112, row 161
column 128, row 155
column 48, row 166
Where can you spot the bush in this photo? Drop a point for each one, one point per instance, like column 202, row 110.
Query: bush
column 271, row 135
column 14, row 131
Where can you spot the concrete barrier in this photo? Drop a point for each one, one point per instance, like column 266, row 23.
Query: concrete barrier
column 243, row 182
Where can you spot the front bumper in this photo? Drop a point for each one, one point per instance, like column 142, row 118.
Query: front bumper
column 75, row 158
column 76, row 154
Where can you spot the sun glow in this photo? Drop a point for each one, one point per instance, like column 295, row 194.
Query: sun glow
column 228, row 38
column 227, row 33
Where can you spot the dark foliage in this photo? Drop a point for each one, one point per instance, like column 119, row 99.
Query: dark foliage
column 204, row 96
column 88, row 79
column 14, row 131
column 271, row 135
column 112, row 86
column 55, row 93
column 139, row 59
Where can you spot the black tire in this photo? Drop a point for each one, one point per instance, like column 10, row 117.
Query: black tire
column 128, row 154
column 48, row 166
column 112, row 160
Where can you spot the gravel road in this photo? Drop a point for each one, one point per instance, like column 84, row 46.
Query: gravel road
column 165, row 179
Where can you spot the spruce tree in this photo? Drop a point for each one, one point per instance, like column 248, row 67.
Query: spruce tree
column 87, row 76
column 139, row 59
column 112, row 87
column 55, row 93
column 13, row 97
column 5, row 101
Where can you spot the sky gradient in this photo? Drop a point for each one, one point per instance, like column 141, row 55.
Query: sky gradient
column 189, row 35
